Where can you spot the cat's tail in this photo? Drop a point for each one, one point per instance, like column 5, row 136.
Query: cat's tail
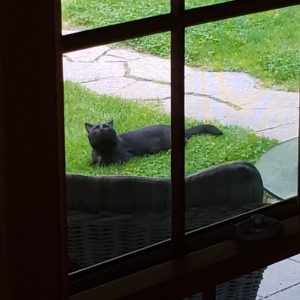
column 202, row 129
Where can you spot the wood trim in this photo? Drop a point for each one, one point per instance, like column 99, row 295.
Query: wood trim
column 32, row 211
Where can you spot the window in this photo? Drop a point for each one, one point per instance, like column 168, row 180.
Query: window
column 180, row 23
column 209, row 249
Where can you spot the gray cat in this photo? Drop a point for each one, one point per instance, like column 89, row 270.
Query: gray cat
column 108, row 147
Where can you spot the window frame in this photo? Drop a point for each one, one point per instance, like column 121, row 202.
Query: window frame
column 33, row 248
column 33, row 232
column 179, row 245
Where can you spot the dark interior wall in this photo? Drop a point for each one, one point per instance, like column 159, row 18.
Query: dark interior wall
column 31, row 156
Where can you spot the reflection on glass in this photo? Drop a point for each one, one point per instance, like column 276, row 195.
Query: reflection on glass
column 275, row 280
column 117, row 138
column 280, row 281
column 242, row 75
column 245, row 287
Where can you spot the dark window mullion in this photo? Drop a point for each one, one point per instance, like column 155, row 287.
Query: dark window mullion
column 177, row 123
column 298, row 164
column 209, row 294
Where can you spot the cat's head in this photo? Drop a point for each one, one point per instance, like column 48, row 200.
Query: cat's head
column 99, row 126
column 100, row 133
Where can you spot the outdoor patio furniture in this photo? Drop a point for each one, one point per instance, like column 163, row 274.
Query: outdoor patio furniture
column 278, row 168
column 113, row 215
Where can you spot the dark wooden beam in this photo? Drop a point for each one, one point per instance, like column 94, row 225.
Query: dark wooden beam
column 32, row 214
column 177, row 129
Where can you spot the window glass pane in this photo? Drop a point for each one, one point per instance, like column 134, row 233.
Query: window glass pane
column 242, row 75
column 119, row 192
column 94, row 13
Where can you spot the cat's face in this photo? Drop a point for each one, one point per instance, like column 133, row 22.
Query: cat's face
column 100, row 132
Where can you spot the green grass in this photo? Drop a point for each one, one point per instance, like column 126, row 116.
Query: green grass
column 265, row 45
column 202, row 151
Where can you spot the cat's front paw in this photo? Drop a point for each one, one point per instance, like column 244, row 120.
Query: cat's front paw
column 97, row 161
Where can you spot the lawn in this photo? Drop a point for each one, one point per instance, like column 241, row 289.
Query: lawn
column 82, row 105
column 265, row 45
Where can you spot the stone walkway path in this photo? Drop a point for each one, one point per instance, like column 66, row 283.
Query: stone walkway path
column 229, row 97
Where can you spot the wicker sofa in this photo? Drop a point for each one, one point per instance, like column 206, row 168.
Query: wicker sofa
column 113, row 215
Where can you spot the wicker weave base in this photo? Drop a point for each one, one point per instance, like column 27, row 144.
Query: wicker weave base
column 111, row 216
column 94, row 238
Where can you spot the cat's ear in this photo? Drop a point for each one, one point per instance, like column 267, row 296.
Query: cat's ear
column 88, row 126
column 111, row 123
